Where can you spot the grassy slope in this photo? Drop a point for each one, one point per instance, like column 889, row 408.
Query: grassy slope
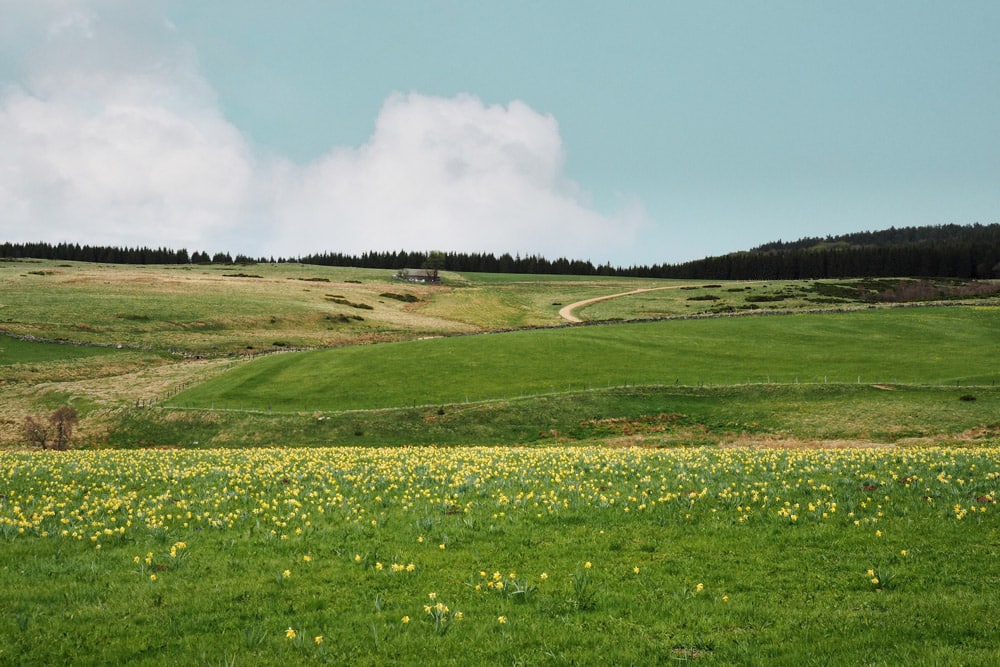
column 212, row 310
column 796, row 590
column 772, row 415
column 914, row 346
column 221, row 309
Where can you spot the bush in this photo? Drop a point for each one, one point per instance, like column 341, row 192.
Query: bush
column 56, row 431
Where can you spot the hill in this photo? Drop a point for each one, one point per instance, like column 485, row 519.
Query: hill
column 954, row 251
column 941, row 251
column 115, row 340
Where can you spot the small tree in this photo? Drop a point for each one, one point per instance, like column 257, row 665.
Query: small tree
column 56, row 431
column 434, row 263
column 36, row 431
column 63, row 420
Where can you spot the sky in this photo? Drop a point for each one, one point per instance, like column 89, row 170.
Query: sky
column 635, row 133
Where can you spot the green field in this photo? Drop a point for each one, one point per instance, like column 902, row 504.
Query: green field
column 952, row 346
column 446, row 475
column 494, row 556
column 771, row 415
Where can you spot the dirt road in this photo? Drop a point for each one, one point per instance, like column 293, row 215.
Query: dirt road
column 566, row 312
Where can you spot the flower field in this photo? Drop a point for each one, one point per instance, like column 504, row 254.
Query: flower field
column 500, row 556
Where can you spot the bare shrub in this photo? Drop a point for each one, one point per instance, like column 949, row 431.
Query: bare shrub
column 56, row 431
column 63, row 421
column 36, row 431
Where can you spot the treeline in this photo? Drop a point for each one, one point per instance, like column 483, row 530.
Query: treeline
column 74, row 252
column 943, row 251
column 462, row 262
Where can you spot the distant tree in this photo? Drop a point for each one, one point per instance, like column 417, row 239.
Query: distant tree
column 434, row 263
column 56, row 431
column 36, row 431
column 63, row 421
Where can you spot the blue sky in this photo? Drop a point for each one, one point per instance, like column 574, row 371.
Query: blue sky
column 630, row 133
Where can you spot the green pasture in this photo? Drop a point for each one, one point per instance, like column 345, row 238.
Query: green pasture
column 15, row 351
column 213, row 309
column 500, row 556
column 663, row 416
column 936, row 346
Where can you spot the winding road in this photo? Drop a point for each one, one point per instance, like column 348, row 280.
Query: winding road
column 566, row 312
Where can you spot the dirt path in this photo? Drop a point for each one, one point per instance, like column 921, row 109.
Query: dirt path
column 566, row 312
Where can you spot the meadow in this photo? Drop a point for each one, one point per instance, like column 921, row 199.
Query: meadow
column 895, row 346
column 803, row 488
column 500, row 556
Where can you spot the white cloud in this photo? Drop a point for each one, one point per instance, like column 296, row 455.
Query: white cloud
column 105, row 143
column 110, row 135
column 449, row 173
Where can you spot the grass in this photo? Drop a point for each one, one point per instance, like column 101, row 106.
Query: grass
column 210, row 310
column 16, row 352
column 617, row 538
column 237, row 309
column 913, row 346
column 605, row 556
column 215, row 309
column 771, row 415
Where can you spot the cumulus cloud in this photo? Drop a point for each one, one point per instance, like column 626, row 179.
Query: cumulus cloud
column 450, row 173
column 110, row 135
column 104, row 143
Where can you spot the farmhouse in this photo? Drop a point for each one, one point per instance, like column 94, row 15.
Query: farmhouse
column 418, row 275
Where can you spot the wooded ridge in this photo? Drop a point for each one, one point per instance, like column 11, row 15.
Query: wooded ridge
column 940, row 251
